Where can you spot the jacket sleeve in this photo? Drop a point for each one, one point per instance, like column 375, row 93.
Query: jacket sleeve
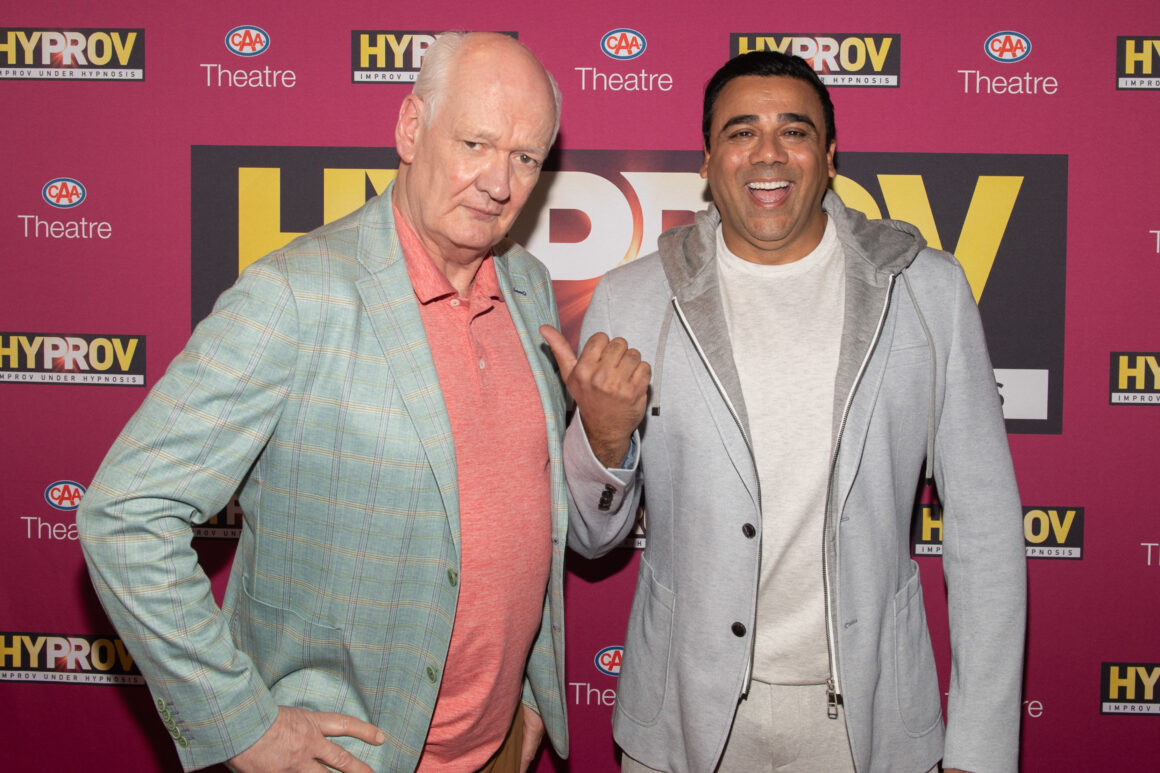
column 603, row 501
column 984, row 558
column 179, row 461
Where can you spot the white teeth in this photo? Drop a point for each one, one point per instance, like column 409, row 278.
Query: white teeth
column 769, row 186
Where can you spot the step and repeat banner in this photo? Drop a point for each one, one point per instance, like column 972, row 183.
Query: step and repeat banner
column 153, row 151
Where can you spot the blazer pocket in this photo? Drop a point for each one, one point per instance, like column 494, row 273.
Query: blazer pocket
column 640, row 691
column 910, row 353
column 286, row 648
column 915, row 675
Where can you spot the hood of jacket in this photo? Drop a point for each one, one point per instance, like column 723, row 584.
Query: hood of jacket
column 883, row 246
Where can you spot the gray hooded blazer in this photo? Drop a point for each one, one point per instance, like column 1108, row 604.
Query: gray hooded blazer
column 914, row 386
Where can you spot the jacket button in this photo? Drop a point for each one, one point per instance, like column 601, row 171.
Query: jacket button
column 452, row 577
column 748, row 530
column 432, row 674
column 738, row 629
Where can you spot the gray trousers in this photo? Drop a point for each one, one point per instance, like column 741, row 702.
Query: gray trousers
column 781, row 729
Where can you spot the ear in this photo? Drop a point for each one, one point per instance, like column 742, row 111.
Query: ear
column 409, row 127
column 830, row 158
column 705, row 165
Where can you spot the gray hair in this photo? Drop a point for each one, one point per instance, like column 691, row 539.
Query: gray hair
column 437, row 62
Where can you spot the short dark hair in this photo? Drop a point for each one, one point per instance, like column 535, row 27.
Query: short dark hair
column 766, row 63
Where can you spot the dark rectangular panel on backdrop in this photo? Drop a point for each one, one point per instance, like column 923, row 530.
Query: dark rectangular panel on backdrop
column 1004, row 217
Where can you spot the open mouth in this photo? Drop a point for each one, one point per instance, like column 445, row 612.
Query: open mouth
column 769, row 191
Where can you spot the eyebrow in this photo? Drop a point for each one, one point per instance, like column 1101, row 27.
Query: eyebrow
column 781, row 117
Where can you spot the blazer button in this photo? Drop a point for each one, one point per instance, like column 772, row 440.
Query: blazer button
column 606, row 497
column 748, row 530
column 432, row 674
column 738, row 629
column 452, row 577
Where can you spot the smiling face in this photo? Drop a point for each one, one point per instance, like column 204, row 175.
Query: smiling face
column 469, row 163
column 768, row 164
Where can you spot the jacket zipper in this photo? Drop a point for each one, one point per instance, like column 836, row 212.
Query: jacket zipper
column 833, row 684
column 752, row 459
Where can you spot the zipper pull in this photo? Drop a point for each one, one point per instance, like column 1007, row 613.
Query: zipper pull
column 833, row 700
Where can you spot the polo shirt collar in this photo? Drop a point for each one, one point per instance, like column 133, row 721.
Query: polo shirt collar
column 428, row 281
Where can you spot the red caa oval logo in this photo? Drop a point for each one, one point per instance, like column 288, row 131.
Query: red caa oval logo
column 247, row 40
column 63, row 192
column 64, row 494
column 623, row 44
column 608, row 660
column 1008, row 46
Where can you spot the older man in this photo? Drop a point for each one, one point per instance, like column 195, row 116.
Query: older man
column 806, row 366
column 375, row 393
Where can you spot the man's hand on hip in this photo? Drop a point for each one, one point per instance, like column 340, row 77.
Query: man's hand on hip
column 299, row 739
column 533, row 735
column 609, row 383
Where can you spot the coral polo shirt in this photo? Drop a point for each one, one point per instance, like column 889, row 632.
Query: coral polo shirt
column 501, row 453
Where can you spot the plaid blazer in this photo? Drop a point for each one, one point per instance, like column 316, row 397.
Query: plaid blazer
column 310, row 391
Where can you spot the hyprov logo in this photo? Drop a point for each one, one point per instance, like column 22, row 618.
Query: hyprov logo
column 1129, row 688
column 55, row 358
column 76, row 659
column 595, row 209
column 34, row 53
column 855, row 60
column 1138, row 62
column 1134, row 378
column 390, row 56
column 1048, row 532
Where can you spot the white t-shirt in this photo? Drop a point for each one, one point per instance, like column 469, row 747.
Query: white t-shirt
column 785, row 324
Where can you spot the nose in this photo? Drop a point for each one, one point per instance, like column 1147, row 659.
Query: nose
column 769, row 150
column 495, row 177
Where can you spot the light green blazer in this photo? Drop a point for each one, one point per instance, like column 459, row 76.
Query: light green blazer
column 311, row 387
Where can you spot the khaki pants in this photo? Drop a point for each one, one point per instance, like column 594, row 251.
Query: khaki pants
column 507, row 758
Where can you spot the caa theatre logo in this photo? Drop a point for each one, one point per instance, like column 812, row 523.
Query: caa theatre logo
column 1004, row 217
column 63, row 193
column 59, row 358
column 390, row 56
column 1048, row 532
column 1008, row 47
column 73, row 659
column 1130, row 688
column 623, row 44
column 1135, row 378
column 247, row 40
column 1138, row 63
column 33, row 53
column 64, row 494
column 608, row 660
column 853, row 59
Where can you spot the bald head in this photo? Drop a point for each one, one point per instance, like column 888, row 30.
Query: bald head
column 500, row 56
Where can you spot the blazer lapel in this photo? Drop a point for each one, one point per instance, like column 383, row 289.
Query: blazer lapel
column 390, row 304
column 528, row 312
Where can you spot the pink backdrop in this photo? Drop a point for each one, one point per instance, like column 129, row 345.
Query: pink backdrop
column 183, row 160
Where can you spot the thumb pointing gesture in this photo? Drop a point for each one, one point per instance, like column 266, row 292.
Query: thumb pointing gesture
column 561, row 350
column 609, row 383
